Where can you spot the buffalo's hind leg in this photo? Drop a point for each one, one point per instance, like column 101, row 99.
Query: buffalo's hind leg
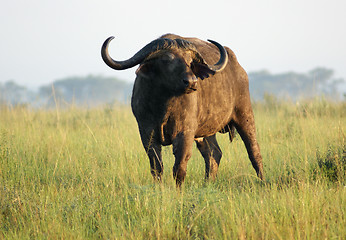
column 245, row 125
column 211, row 153
column 155, row 157
column 153, row 150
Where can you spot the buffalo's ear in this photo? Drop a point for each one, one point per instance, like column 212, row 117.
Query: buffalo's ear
column 201, row 70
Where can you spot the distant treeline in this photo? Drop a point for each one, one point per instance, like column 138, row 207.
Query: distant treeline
column 293, row 86
column 94, row 90
column 89, row 91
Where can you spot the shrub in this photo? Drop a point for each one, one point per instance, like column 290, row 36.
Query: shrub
column 332, row 164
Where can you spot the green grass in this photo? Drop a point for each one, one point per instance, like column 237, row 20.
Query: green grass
column 83, row 174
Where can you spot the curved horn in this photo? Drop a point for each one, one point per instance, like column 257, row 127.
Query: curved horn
column 161, row 43
column 138, row 57
column 221, row 64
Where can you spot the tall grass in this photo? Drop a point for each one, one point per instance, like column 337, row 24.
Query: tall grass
column 79, row 174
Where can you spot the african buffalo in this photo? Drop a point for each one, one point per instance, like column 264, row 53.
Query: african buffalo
column 178, row 98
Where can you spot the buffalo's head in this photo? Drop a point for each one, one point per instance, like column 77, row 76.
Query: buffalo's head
column 173, row 64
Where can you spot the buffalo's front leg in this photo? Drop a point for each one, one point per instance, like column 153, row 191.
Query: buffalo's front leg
column 153, row 150
column 211, row 153
column 182, row 148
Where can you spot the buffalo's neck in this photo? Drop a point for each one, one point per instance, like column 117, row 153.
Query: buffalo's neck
column 166, row 113
column 149, row 102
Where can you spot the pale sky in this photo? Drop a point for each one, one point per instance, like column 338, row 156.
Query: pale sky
column 46, row 40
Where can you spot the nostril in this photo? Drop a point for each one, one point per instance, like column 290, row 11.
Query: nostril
column 186, row 82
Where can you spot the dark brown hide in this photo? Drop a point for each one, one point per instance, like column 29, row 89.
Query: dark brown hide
column 178, row 99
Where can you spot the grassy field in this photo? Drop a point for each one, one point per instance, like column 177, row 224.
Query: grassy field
column 83, row 174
